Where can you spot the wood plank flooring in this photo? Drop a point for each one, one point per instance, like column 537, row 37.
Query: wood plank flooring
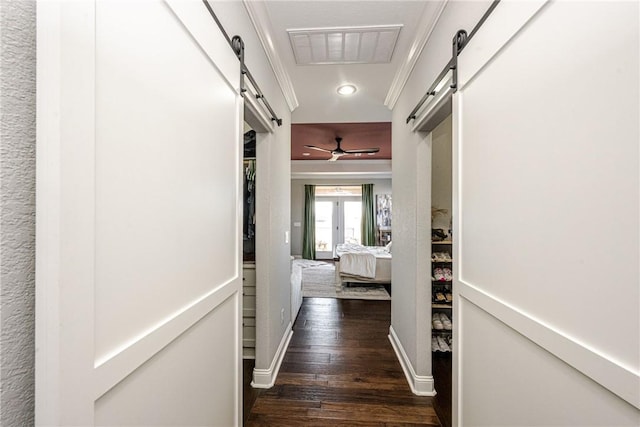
column 340, row 370
column 441, row 366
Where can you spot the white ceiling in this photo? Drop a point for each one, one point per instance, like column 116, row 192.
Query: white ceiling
column 315, row 85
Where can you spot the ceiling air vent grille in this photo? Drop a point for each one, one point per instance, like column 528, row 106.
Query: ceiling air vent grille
column 342, row 45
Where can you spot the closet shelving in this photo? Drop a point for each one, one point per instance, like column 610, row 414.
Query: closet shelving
column 441, row 293
column 249, row 310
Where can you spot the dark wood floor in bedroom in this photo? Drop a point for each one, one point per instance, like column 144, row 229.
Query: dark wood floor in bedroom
column 339, row 370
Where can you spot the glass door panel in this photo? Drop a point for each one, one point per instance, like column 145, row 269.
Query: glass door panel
column 337, row 221
column 324, row 229
column 352, row 216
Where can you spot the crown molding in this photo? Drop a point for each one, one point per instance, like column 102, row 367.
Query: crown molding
column 259, row 16
column 344, row 169
column 427, row 24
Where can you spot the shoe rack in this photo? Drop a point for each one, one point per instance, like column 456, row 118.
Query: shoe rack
column 441, row 297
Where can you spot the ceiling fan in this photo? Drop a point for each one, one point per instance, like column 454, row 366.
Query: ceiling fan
column 338, row 152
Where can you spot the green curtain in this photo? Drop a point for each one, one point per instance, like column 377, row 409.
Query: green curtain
column 309, row 232
column 368, row 216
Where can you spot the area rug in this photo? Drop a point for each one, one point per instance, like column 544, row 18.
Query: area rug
column 319, row 282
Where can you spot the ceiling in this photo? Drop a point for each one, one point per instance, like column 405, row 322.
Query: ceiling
column 354, row 135
column 378, row 68
column 315, row 85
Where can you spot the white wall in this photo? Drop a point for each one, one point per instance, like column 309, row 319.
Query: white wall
column 17, row 210
column 441, row 174
column 380, row 186
column 411, row 303
column 273, row 152
column 547, row 217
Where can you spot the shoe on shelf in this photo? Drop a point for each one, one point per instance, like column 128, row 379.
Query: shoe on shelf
column 448, row 274
column 449, row 297
column 446, row 323
column 440, row 297
column 434, row 344
column 436, row 322
column 443, row 344
column 446, row 256
column 438, row 273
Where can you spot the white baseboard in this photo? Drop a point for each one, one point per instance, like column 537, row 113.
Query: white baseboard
column 266, row 378
column 420, row 385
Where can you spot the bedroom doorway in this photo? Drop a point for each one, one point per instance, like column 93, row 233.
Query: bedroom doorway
column 338, row 218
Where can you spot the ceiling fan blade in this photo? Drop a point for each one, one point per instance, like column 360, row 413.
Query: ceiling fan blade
column 313, row 147
column 362, row 150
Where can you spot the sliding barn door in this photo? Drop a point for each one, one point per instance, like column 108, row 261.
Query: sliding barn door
column 139, row 210
column 546, row 201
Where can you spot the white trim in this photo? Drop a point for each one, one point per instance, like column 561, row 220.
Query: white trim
column 256, row 115
column 605, row 370
column 456, row 208
column 113, row 368
column 421, row 385
column 48, row 141
column 259, row 17
column 266, row 378
column 341, row 175
column 436, row 110
column 426, row 25
column 346, row 29
column 362, row 169
column 65, row 263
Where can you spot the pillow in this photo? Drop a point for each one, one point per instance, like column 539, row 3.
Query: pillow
column 388, row 247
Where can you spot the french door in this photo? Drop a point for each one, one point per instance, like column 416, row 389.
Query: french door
column 338, row 220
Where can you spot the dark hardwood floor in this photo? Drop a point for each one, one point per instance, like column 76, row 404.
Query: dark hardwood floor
column 340, row 369
column 249, row 394
column 441, row 368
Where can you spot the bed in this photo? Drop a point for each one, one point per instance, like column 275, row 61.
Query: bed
column 362, row 264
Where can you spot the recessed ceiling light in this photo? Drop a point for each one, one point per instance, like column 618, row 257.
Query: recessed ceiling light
column 358, row 154
column 371, row 154
column 347, row 90
column 306, row 154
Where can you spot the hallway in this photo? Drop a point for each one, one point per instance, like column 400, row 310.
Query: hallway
column 340, row 369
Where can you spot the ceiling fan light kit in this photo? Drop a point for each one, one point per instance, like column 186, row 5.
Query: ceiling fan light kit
column 338, row 152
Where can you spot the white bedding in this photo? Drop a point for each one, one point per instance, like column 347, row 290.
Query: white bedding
column 358, row 264
column 377, row 251
column 358, row 260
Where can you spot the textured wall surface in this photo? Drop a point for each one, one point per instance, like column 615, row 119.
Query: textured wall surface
column 17, row 210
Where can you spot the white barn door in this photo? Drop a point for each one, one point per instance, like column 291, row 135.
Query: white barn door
column 139, row 216
column 546, row 198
